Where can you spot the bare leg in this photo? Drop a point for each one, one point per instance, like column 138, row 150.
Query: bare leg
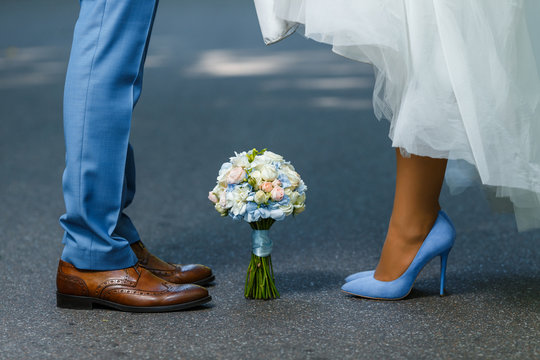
column 416, row 204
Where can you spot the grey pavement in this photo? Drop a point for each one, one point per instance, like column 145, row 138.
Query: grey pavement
column 212, row 88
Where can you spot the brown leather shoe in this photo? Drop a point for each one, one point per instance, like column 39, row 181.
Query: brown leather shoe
column 132, row 289
column 178, row 274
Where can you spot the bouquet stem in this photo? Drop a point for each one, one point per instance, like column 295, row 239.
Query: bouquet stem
column 260, row 274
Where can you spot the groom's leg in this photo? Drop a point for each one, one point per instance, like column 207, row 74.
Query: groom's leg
column 124, row 227
column 102, row 86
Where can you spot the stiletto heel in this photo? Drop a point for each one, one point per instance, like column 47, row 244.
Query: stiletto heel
column 438, row 242
column 444, row 258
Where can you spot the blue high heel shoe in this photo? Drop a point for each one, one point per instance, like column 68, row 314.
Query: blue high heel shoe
column 438, row 242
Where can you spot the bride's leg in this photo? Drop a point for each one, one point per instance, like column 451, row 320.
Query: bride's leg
column 416, row 204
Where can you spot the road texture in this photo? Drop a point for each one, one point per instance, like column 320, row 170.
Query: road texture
column 212, row 88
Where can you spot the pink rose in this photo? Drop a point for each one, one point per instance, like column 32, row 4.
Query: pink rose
column 277, row 193
column 236, row 175
column 276, row 183
column 212, row 197
column 266, row 186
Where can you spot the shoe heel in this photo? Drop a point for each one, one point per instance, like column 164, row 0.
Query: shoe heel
column 73, row 302
column 444, row 258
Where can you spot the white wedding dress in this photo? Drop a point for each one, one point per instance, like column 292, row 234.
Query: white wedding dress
column 456, row 79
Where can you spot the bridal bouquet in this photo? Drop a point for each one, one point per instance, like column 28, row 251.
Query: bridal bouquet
column 259, row 187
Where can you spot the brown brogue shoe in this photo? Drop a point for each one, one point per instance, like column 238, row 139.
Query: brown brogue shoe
column 132, row 289
column 175, row 273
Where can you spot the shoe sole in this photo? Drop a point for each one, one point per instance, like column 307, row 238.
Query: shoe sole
column 374, row 298
column 87, row 303
column 384, row 299
column 206, row 281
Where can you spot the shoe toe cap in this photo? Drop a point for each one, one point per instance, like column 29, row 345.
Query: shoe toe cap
column 202, row 271
column 188, row 293
column 352, row 287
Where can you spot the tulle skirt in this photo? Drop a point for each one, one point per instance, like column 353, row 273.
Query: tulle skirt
column 456, row 79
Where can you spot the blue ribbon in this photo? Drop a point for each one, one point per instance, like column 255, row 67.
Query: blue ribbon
column 261, row 245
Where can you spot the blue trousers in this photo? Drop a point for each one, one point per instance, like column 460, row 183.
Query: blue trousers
column 103, row 85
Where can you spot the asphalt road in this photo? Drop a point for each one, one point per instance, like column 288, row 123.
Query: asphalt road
column 212, row 88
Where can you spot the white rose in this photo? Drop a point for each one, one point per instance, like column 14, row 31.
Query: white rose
column 270, row 156
column 268, row 172
column 218, row 190
column 300, row 199
column 257, row 177
column 277, row 214
column 299, row 209
column 287, row 166
column 223, row 173
column 225, row 167
column 226, row 200
column 221, row 210
column 287, row 209
column 240, row 160
column 260, row 197
column 236, row 200
column 239, row 208
column 260, row 160
column 294, row 195
column 288, row 192
column 240, row 194
column 292, row 175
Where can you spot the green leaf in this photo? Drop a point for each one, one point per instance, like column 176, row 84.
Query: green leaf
column 251, row 154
